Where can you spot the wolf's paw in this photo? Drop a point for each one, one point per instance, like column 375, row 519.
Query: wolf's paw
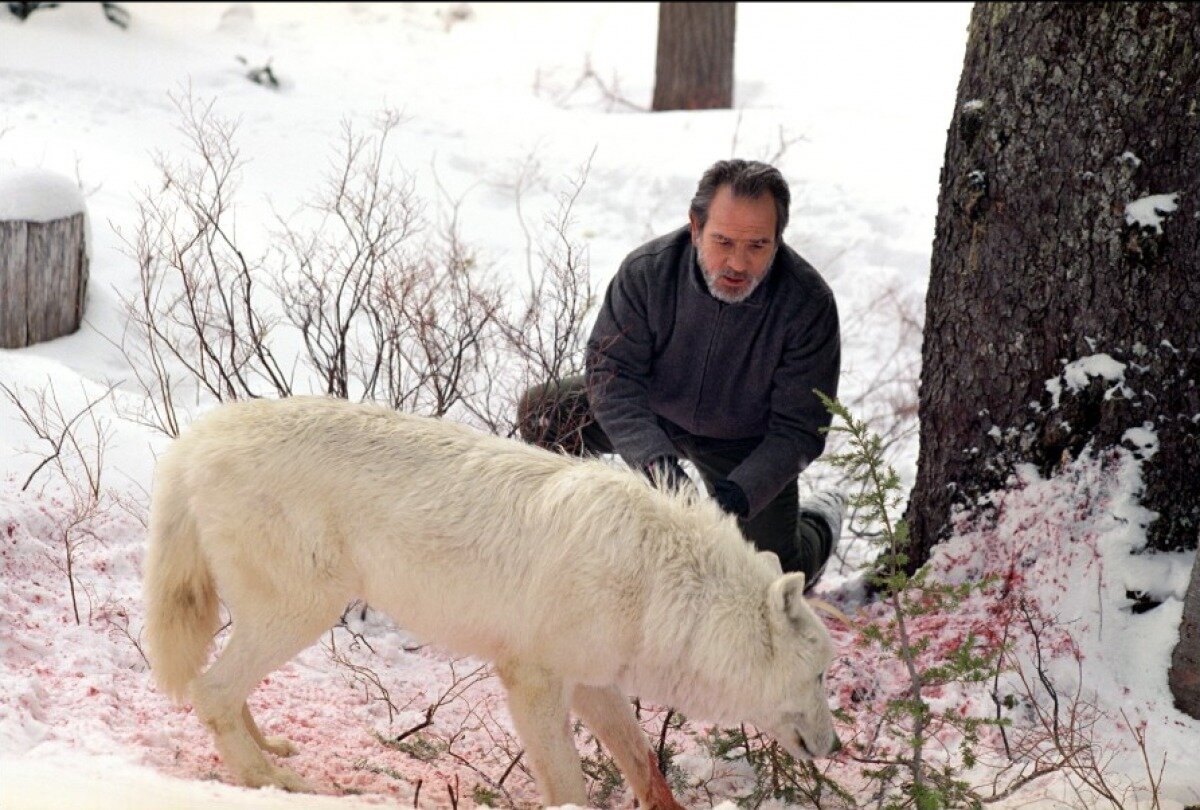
column 279, row 746
column 281, row 778
column 291, row 782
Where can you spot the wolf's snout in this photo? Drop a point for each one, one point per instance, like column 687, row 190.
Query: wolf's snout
column 818, row 746
column 818, row 751
column 803, row 745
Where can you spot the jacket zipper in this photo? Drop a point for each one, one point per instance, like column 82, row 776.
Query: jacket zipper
column 712, row 341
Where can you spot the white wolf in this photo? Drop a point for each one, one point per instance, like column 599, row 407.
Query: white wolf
column 581, row 582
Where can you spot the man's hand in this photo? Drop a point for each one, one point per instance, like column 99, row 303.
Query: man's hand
column 731, row 498
column 665, row 471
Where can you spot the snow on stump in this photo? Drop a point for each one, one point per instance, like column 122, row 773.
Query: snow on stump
column 43, row 257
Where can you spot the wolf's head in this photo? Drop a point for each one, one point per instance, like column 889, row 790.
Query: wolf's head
column 795, row 710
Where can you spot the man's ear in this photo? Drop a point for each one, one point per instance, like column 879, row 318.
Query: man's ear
column 695, row 223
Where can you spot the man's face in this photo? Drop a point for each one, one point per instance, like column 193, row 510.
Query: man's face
column 737, row 244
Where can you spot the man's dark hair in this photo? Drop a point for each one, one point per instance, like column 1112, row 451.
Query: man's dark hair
column 746, row 178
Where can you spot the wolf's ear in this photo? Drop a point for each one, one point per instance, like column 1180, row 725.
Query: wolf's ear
column 786, row 598
column 770, row 561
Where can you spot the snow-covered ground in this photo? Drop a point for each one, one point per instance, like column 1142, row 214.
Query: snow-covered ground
column 853, row 100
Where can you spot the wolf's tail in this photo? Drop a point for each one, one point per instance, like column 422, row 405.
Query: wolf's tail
column 179, row 591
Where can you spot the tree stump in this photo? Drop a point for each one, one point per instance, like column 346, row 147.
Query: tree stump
column 43, row 258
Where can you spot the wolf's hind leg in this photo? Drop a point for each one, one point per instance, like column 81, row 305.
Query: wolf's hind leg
column 259, row 644
column 538, row 705
column 279, row 746
column 610, row 717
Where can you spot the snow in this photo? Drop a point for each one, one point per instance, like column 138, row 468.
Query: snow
column 492, row 93
column 1144, row 438
column 74, row 781
column 1065, row 545
column 36, row 195
column 1078, row 373
column 1150, row 211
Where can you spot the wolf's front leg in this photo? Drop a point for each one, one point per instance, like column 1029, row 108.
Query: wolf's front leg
column 610, row 717
column 537, row 703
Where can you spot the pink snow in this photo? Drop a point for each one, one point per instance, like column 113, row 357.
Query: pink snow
column 1048, row 545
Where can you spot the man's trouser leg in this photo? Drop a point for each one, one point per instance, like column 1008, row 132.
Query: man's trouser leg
column 803, row 542
column 557, row 416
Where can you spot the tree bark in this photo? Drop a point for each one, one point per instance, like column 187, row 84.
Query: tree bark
column 694, row 68
column 1184, row 675
column 1066, row 113
column 43, row 280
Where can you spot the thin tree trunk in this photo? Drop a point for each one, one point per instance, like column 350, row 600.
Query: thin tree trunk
column 43, row 280
column 1184, row 675
column 694, row 68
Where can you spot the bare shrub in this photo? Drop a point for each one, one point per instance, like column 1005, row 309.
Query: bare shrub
column 772, row 152
column 71, row 455
column 440, row 326
column 610, row 94
column 198, row 311
column 336, row 277
column 542, row 334
column 77, row 459
column 384, row 305
column 1050, row 729
column 473, row 723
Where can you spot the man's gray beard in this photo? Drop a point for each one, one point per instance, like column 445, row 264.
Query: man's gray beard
column 723, row 296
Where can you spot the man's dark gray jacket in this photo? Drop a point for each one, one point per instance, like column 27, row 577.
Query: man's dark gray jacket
column 664, row 349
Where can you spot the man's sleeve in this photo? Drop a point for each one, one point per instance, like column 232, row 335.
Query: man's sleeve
column 812, row 360
column 619, row 359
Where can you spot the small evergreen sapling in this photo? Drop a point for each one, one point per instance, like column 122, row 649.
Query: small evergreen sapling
column 906, row 775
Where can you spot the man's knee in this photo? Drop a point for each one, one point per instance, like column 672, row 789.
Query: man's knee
column 555, row 415
column 532, row 415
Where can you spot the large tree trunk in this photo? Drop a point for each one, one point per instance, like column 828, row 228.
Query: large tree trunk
column 43, row 280
column 1066, row 114
column 694, row 69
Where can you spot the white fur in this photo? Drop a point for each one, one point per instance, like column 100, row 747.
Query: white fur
column 581, row 582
